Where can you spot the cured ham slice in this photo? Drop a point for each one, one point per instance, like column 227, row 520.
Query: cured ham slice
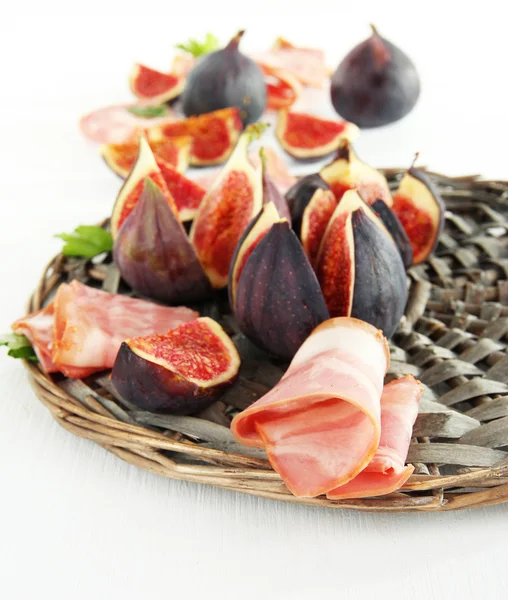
column 387, row 472
column 90, row 325
column 321, row 424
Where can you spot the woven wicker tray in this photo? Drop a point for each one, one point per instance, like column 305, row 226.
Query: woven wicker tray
column 453, row 338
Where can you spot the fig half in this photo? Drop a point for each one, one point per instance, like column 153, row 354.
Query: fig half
column 359, row 267
column 307, row 137
column 226, row 78
column 227, row 208
column 375, row 84
column 154, row 87
column 299, row 195
column 182, row 371
column 348, row 172
column 278, row 298
column 420, row 209
column 154, row 255
column 315, row 219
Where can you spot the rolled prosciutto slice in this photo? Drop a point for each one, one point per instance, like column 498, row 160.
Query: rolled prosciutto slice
column 387, row 472
column 321, row 424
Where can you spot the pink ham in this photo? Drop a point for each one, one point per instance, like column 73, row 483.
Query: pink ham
column 321, row 425
column 387, row 472
column 37, row 327
column 91, row 324
column 305, row 64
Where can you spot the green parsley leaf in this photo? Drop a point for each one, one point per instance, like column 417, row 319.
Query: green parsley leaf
column 197, row 49
column 19, row 346
column 86, row 241
column 149, row 112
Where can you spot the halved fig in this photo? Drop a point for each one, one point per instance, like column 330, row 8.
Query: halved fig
column 213, row 135
column 251, row 237
column 154, row 255
column 181, row 371
column 359, row 267
column 145, row 166
column 299, row 196
column 153, row 86
column 121, row 157
column 186, row 193
column 271, row 192
column 420, row 209
column 315, row 219
column 226, row 210
column 282, row 88
column 396, row 230
column 278, row 298
column 305, row 136
column 348, row 172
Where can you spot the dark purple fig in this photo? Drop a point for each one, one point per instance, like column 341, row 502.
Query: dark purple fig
column 278, row 298
column 271, row 191
column 375, row 84
column 226, row 78
column 359, row 267
column 299, row 195
column 154, row 255
column 394, row 226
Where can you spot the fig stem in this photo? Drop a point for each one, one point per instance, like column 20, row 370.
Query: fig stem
column 374, row 30
column 262, row 156
column 236, row 40
column 417, row 154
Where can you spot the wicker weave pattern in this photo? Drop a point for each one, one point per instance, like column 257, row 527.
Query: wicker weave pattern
column 453, row 338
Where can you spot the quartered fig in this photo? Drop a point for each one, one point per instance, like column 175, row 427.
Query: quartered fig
column 213, row 135
column 420, row 209
column 186, row 193
column 359, row 267
column 315, row 219
column 396, row 230
column 375, row 84
column 251, row 237
column 278, row 298
column 348, row 172
column 271, row 192
column 233, row 200
column 307, row 137
column 299, row 196
column 154, row 255
column 181, row 371
column 226, row 78
column 282, row 88
column 155, row 87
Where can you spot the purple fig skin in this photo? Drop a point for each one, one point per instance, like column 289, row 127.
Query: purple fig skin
column 272, row 194
column 226, row 78
column 300, row 194
column 151, row 387
column 398, row 233
column 436, row 196
column 279, row 300
column 376, row 84
column 154, row 255
column 380, row 290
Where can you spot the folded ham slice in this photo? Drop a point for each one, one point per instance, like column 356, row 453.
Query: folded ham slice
column 387, row 472
column 321, row 424
column 37, row 327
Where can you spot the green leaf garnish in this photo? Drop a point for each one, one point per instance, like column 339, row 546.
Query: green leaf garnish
column 19, row 346
column 149, row 111
column 86, row 241
column 196, row 48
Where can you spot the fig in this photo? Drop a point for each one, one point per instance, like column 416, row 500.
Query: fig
column 348, row 172
column 226, row 78
column 359, row 267
column 278, row 298
column 315, row 219
column 305, row 136
column 271, row 192
column 154, row 87
column 420, row 209
column 299, row 196
column 181, row 371
column 145, row 165
column 254, row 233
column 153, row 254
column 375, row 84
column 282, row 88
column 396, row 230
column 232, row 201
column 186, row 193
column 213, row 135
column 121, row 157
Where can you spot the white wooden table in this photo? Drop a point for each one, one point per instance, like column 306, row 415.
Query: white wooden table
column 77, row 523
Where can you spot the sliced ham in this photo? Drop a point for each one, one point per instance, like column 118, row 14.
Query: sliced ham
column 90, row 324
column 321, row 424
column 387, row 472
column 305, row 64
